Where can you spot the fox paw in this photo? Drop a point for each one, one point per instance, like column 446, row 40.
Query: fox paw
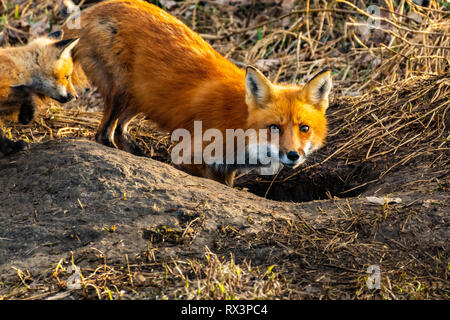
column 26, row 115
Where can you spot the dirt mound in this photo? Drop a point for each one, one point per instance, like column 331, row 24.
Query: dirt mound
column 150, row 230
column 63, row 196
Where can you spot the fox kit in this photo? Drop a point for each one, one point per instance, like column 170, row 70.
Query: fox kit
column 43, row 68
column 144, row 60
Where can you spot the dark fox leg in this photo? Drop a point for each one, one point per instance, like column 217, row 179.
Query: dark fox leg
column 122, row 138
column 225, row 176
column 105, row 131
column 21, row 95
column 114, row 106
column 9, row 147
column 27, row 111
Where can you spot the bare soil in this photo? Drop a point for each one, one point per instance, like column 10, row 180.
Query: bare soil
column 76, row 200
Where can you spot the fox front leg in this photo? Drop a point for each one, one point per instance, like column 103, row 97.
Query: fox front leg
column 225, row 174
column 27, row 111
column 27, row 102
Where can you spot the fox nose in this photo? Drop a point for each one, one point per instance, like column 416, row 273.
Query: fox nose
column 293, row 155
column 64, row 99
column 69, row 97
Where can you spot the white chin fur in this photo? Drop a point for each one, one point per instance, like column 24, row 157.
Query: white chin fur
column 62, row 91
column 307, row 149
column 259, row 153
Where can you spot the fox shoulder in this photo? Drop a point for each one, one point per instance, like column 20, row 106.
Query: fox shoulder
column 8, row 74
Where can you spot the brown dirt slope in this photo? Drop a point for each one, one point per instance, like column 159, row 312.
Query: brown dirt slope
column 150, row 230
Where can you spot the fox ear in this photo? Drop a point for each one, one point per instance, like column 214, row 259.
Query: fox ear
column 258, row 87
column 316, row 91
column 66, row 46
column 57, row 35
column 20, row 88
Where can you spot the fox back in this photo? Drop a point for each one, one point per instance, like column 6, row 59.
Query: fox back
column 143, row 60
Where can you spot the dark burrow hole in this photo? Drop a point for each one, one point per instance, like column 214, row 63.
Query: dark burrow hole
column 318, row 183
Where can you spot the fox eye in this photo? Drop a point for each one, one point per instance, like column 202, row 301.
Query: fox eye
column 274, row 127
column 67, row 78
column 304, row 129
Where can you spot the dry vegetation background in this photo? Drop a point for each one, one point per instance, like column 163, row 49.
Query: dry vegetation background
column 389, row 113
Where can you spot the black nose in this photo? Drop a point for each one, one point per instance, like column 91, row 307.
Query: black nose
column 293, row 156
column 63, row 99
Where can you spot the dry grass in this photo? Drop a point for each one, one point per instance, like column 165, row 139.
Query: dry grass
column 327, row 260
column 212, row 277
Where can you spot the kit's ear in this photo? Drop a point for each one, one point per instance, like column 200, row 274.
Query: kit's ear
column 65, row 47
column 20, row 88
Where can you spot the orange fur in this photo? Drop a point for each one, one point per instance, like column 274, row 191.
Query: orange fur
column 30, row 73
column 143, row 60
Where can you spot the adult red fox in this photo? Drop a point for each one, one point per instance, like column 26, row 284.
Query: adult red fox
column 43, row 68
column 143, row 60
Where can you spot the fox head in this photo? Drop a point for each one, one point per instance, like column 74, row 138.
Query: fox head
column 52, row 67
column 295, row 113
